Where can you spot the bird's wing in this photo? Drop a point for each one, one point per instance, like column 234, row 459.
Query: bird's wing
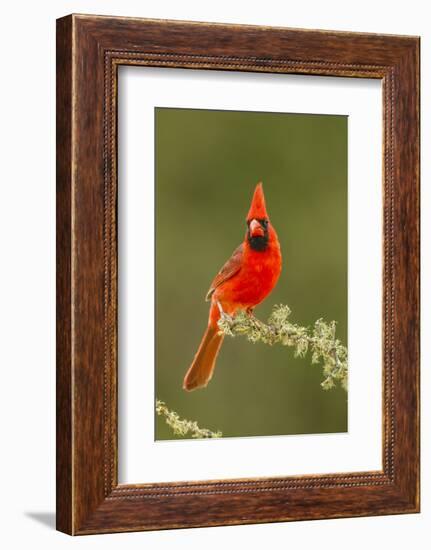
column 230, row 268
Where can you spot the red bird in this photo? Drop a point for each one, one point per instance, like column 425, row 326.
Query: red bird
column 243, row 282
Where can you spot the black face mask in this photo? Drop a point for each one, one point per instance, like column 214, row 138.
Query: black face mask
column 259, row 243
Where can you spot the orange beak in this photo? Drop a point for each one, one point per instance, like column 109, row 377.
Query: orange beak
column 256, row 229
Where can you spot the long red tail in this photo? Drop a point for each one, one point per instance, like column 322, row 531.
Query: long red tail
column 202, row 368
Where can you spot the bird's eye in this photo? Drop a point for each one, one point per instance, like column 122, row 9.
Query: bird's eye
column 265, row 223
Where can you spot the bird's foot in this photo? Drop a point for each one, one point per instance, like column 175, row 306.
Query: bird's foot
column 224, row 316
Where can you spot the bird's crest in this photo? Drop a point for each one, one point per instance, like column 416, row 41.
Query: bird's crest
column 257, row 209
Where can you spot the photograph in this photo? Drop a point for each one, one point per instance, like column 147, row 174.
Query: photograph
column 213, row 315
column 251, row 273
column 237, row 272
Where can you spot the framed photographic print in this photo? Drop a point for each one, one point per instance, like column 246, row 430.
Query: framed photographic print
column 237, row 274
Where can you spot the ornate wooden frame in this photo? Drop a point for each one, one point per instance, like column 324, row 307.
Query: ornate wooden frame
column 89, row 51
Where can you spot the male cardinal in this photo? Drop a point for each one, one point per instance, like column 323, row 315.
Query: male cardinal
column 243, row 282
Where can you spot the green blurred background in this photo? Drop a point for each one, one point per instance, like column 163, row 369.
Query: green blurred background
column 207, row 165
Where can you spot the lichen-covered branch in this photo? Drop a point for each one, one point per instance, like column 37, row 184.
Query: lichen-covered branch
column 183, row 427
column 321, row 341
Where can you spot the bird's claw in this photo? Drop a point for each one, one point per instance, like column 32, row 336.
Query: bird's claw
column 224, row 316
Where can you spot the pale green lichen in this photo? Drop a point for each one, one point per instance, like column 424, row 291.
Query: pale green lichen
column 321, row 340
column 181, row 426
